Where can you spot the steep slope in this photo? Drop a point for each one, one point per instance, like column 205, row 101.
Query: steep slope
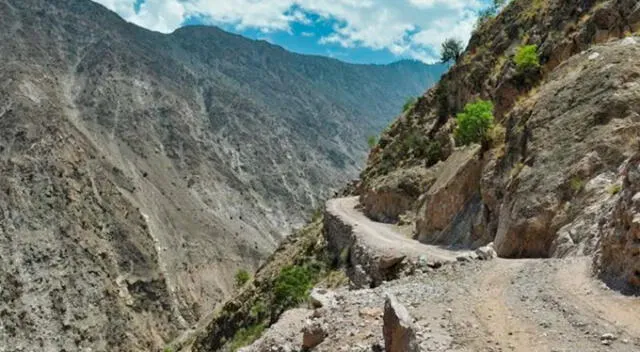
column 138, row 170
column 545, row 185
column 558, row 177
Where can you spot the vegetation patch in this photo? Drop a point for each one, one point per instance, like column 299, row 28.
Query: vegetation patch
column 242, row 277
column 577, row 184
column 246, row 336
column 474, row 123
column 372, row 141
column 409, row 104
column 527, row 59
column 615, row 189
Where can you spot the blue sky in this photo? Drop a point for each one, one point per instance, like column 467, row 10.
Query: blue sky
column 360, row 31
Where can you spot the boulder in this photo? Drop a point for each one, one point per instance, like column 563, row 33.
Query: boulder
column 390, row 260
column 313, row 334
column 486, row 252
column 455, row 187
column 319, row 298
column 398, row 328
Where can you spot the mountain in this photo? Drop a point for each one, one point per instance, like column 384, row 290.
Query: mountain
column 139, row 171
column 527, row 149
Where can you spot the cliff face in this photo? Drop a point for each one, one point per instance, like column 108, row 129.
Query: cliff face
column 542, row 188
column 139, row 171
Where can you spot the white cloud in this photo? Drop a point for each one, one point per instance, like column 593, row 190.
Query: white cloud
column 413, row 28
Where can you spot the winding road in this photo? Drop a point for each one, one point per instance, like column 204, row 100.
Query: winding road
column 510, row 305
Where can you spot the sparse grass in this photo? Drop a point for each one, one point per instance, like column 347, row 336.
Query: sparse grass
column 614, row 189
column 258, row 310
column 167, row 349
column 515, row 170
column 344, row 256
column 335, row 278
column 497, row 137
column 577, row 184
column 246, row 336
column 409, row 104
column 242, row 277
column 535, row 7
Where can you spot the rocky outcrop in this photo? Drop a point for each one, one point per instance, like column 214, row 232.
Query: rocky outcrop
column 398, row 329
column 457, row 184
column 618, row 260
column 397, row 193
column 539, row 193
column 373, row 252
column 576, row 130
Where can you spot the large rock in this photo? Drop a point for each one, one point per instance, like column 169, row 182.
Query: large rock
column 388, row 197
column 577, row 129
column 456, row 186
column 618, row 261
column 398, row 328
column 313, row 334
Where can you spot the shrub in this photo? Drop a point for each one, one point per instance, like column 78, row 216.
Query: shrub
column 242, row 277
column 615, row 189
column 246, row 336
column 527, row 58
column 372, row 141
column 409, row 104
column 292, row 285
column 474, row 122
column 577, row 184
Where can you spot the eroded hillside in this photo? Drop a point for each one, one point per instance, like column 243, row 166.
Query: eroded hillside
column 139, row 171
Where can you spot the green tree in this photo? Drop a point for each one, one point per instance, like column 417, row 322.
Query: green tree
column 474, row 122
column 451, row 50
column 526, row 58
column 242, row 277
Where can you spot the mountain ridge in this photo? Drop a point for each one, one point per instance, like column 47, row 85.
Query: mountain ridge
column 140, row 171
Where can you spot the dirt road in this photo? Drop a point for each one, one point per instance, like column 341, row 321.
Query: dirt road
column 499, row 305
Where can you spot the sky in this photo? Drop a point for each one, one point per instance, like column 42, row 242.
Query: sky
column 358, row 31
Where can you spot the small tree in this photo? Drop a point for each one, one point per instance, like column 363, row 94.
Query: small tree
column 474, row 122
column 242, row 277
column 451, row 50
column 527, row 58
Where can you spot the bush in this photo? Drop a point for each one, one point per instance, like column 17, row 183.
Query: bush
column 474, row 123
column 292, row 285
column 242, row 277
column 409, row 104
column 527, row 58
column 615, row 189
column 247, row 336
column 372, row 141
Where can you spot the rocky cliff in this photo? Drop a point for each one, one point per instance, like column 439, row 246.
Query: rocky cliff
column 539, row 188
column 139, row 171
